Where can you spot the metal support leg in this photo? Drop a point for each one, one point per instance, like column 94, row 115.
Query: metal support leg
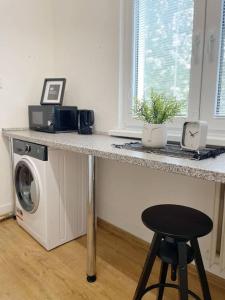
column 91, row 234
column 182, row 267
column 151, row 256
column 162, row 279
column 201, row 270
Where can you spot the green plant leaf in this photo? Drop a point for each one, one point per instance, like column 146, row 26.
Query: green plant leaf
column 157, row 109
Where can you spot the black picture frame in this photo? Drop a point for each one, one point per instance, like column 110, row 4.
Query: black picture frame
column 53, row 91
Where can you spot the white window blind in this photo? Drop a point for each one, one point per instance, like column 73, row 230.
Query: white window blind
column 163, row 47
column 220, row 101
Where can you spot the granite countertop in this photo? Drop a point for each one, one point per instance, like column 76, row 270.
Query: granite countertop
column 212, row 169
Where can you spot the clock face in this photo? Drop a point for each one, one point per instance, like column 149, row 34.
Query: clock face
column 191, row 135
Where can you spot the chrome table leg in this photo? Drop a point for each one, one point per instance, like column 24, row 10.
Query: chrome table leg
column 91, row 234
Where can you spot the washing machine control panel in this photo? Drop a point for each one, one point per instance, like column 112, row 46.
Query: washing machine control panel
column 31, row 149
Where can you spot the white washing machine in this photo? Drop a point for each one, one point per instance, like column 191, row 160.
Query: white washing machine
column 51, row 192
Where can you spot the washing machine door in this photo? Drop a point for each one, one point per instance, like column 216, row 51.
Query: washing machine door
column 27, row 186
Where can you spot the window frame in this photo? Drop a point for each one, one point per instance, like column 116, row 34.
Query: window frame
column 199, row 77
column 210, row 74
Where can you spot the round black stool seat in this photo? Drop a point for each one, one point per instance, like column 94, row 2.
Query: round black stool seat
column 178, row 222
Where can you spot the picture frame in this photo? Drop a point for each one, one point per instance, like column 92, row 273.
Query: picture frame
column 53, row 91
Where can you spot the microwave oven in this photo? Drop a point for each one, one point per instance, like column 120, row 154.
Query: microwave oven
column 53, row 118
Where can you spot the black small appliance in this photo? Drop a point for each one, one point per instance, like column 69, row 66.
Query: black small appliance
column 53, row 118
column 85, row 121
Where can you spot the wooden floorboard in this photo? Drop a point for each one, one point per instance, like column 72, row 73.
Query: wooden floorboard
column 29, row 272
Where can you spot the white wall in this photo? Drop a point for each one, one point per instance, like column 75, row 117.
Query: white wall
column 86, row 36
column 124, row 191
column 26, row 58
column 88, row 57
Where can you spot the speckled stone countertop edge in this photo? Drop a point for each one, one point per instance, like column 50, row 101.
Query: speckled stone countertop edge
column 157, row 165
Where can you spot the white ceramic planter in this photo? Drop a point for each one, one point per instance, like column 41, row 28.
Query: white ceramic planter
column 154, row 135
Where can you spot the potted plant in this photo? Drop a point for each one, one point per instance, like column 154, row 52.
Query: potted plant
column 155, row 111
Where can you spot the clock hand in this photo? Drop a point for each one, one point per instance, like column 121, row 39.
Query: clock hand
column 195, row 133
column 191, row 133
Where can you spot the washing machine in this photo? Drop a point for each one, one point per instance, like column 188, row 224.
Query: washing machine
column 50, row 187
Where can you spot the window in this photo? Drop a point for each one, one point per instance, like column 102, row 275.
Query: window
column 220, row 101
column 212, row 106
column 163, row 47
column 176, row 47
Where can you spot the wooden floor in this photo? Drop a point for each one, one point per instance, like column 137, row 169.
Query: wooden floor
column 28, row 272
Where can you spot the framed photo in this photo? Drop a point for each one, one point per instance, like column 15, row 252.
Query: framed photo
column 53, row 91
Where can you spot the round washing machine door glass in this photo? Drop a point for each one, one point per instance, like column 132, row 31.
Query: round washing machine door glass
column 27, row 187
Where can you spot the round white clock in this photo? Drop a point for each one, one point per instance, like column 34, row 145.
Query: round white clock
column 194, row 135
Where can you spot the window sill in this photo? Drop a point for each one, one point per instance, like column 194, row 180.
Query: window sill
column 214, row 138
column 137, row 134
column 129, row 133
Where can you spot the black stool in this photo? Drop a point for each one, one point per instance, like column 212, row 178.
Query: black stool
column 174, row 226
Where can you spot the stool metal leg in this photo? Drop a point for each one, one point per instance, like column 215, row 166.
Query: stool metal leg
column 162, row 278
column 201, row 270
column 182, row 267
column 147, row 267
